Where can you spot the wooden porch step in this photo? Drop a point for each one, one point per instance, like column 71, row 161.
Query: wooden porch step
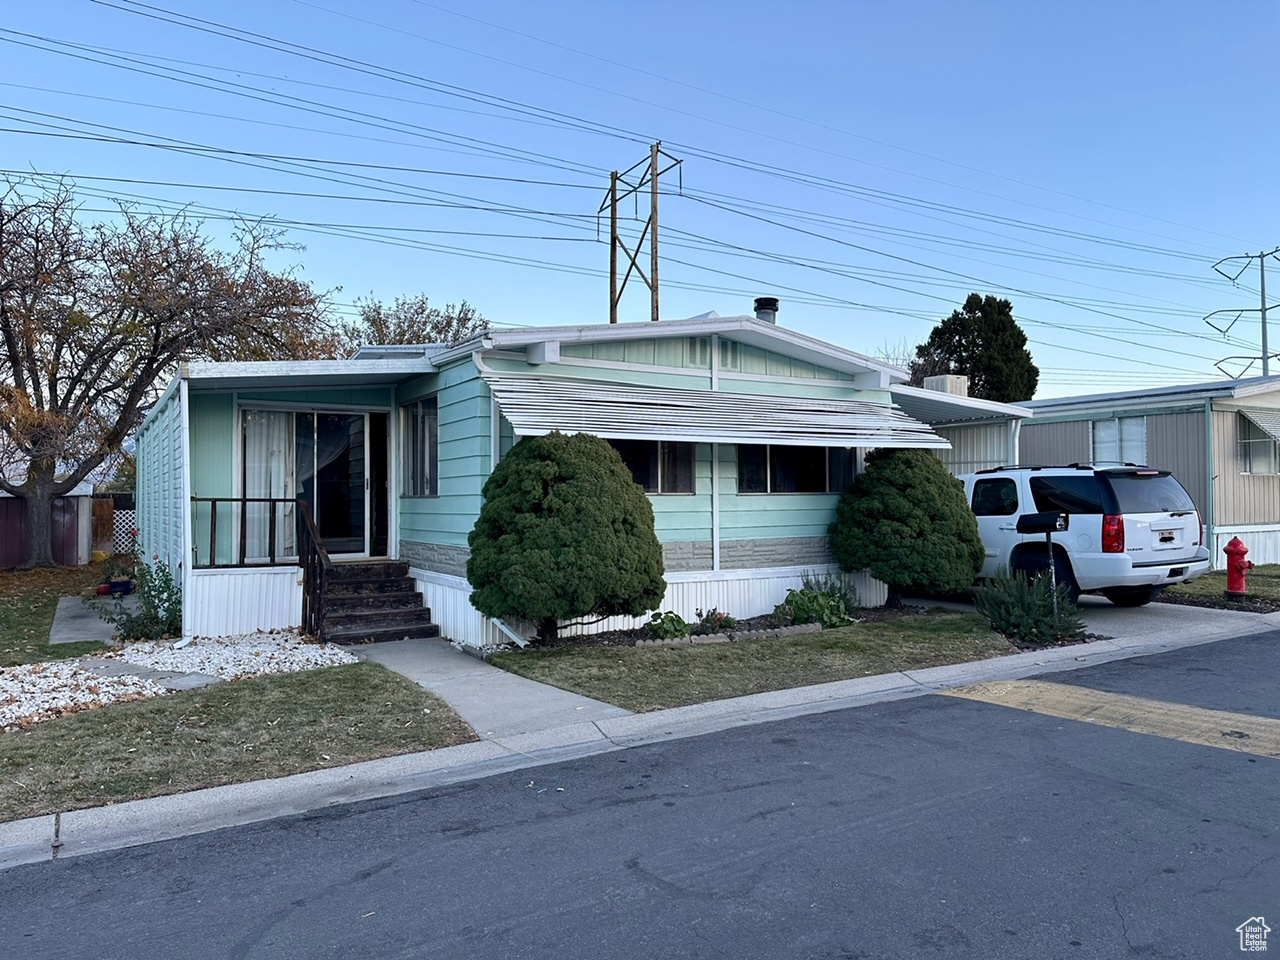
column 404, row 599
column 375, row 618
column 368, row 571
column 374, row 634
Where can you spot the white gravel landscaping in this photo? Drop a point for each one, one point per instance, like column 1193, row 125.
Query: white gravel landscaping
column 44, row 691
column 229, row 658
column 36, row 692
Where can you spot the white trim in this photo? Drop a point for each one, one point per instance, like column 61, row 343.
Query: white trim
column 748, row 573
column 715, row 361
column 187, row 551
column 291, row 369
column 715, row 506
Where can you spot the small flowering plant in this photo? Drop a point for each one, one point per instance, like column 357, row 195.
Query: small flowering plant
column 158, row 613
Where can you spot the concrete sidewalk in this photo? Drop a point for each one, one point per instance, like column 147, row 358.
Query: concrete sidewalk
column 75, row 621
column 524, row 725
column 497, row 705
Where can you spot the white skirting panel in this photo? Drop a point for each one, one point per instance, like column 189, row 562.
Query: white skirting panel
column 223, row 603
column 1262, row 539
column 739, row 593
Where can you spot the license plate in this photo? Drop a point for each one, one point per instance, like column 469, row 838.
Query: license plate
column 1165, row 536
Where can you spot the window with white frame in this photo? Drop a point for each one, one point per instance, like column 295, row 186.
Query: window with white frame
column 660, row 466
column 1120, row 440
column 1257, row 448
column 421, row 448
column 770, row 468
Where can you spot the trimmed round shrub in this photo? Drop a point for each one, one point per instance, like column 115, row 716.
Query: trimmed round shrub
column 905, row 520
column 564, row 532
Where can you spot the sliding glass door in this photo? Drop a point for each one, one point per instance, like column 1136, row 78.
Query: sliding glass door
column 324, row 459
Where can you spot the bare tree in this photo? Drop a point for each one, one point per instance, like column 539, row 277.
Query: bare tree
column 411, row 320
column 93, row 319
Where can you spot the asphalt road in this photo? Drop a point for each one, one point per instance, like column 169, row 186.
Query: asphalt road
column 937, row 826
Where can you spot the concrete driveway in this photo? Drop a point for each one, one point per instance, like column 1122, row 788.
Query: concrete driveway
column 1105, row 619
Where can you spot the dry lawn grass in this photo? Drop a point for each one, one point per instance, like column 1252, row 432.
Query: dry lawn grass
column 28, row 599
column 251, row 729
column 652, row 678
column 1264, row 584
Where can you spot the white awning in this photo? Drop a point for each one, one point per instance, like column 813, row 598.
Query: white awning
column 537, row 405
column 1268, row 421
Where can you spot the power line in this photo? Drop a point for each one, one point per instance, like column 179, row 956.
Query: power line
column 312, row 53
column 823, row 126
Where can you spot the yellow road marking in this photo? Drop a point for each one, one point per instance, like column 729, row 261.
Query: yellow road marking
column 1157, row 718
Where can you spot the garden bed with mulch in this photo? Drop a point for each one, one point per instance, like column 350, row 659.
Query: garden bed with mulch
column 766, row 624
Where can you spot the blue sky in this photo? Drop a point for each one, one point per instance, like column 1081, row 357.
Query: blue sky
column 870, row 164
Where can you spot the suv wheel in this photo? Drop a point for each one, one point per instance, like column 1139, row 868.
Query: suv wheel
column 1037, row 564
column 1137, row 597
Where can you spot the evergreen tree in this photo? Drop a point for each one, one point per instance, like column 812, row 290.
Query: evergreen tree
column 564, row 532
column 905, row 520
column 983, row 342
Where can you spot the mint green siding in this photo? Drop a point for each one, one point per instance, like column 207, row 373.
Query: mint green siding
column 464, row 454
column 764, row 516
column 355, row 398
column 680, row 517
column 694, row 353
column 161, row 509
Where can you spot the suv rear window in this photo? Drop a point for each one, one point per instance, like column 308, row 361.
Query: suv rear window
column 1080, row 493
column 995, row 497
column 1149, row 493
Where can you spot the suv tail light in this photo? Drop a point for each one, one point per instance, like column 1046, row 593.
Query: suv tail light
column 1113, row 533
column 1204, row 533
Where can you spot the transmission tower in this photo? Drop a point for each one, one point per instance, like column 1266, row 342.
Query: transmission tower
column 1247, row 259
column 633, row 180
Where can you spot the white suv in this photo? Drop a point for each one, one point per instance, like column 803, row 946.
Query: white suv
column 1132, row 531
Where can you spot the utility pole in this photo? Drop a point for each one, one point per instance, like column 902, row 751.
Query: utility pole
column 1247, row 259
column 634, row 179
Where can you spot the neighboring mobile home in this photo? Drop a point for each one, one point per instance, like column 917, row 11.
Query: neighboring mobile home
column 1219, row 439
column 743, row 433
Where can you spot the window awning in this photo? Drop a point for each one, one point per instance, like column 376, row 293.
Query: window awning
column 1268, row 421
column 537, row 405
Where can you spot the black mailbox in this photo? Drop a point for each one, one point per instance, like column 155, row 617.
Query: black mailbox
column 1051, row 521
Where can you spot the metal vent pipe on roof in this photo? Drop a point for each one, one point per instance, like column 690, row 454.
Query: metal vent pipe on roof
column 767, row 309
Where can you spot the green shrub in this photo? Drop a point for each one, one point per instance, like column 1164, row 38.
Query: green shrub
column 713, row 621
column 564, row 532
column 810, row 605
column 906, row 521
column 667, row 626
column 159, row 613
column 1021, row 609
column 837, row 584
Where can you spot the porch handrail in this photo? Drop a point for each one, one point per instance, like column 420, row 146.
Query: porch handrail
column 315, row 570
column 242, row 551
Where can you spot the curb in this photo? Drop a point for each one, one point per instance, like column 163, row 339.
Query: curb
column 136, row 822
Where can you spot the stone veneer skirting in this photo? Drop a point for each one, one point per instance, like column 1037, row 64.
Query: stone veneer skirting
column 679, row 557
column 748, row 554
column 435, row 557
